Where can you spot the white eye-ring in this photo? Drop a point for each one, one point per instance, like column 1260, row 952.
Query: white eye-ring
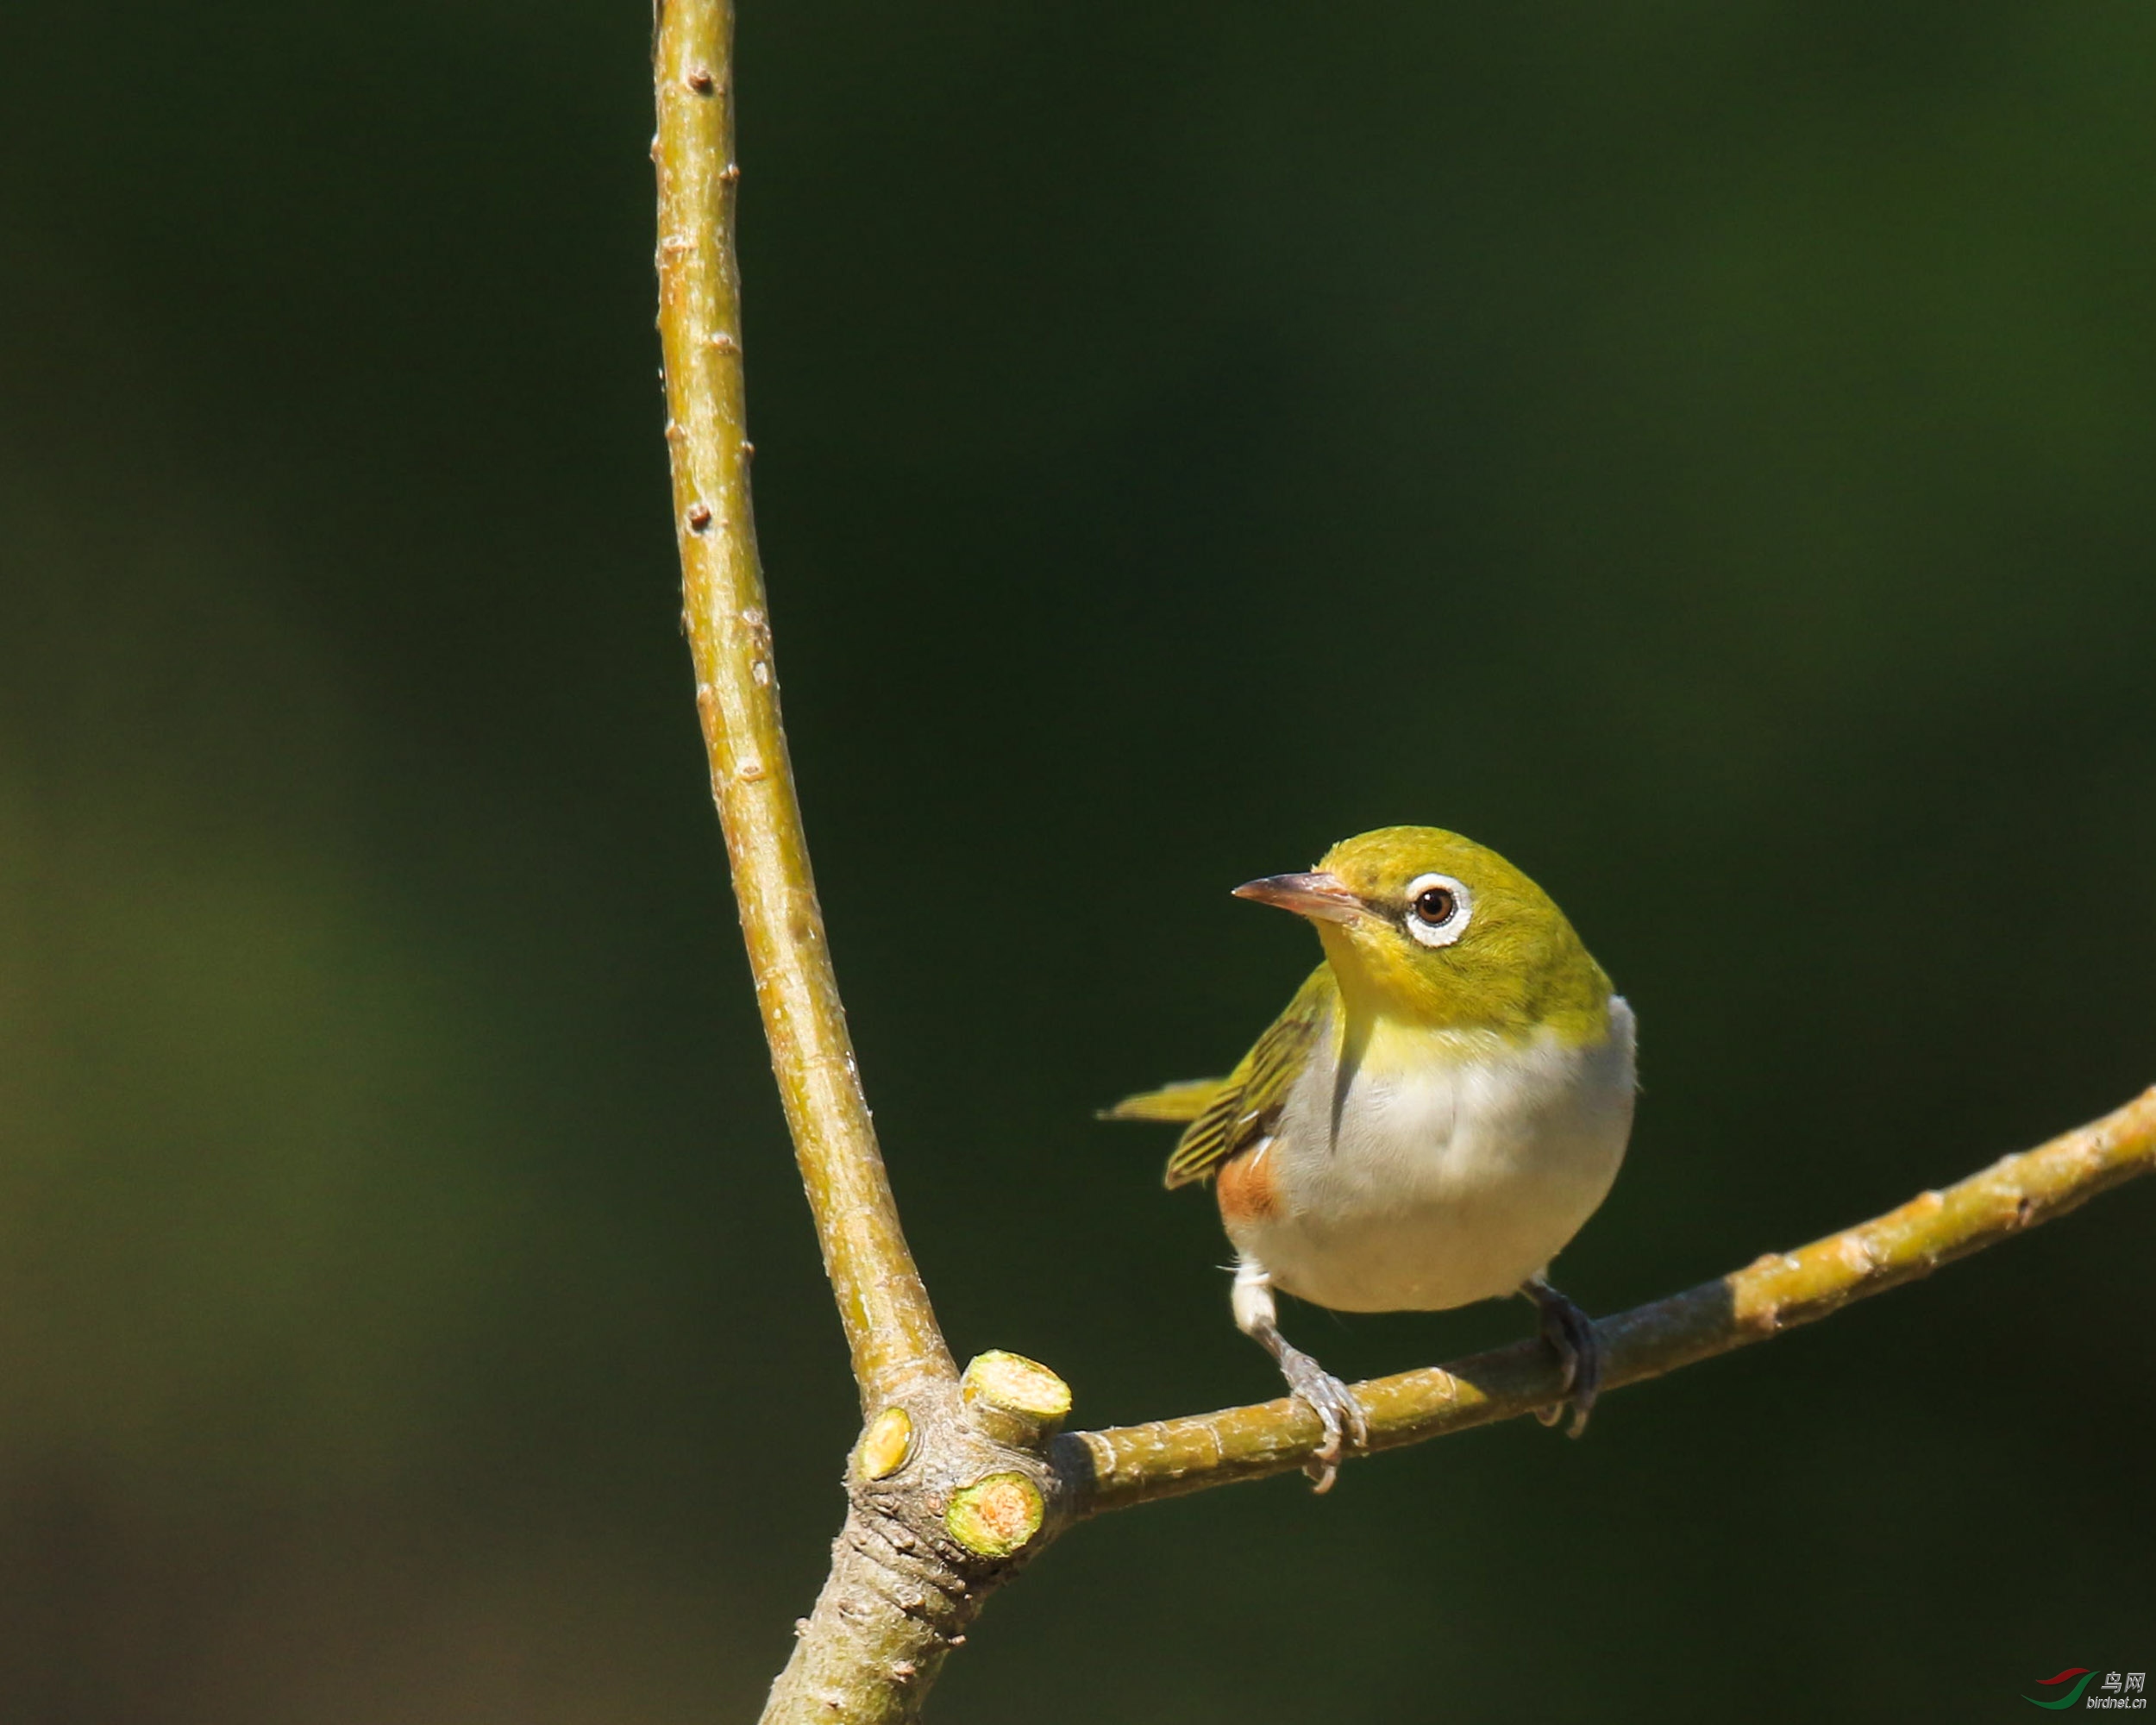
column 1438, row 909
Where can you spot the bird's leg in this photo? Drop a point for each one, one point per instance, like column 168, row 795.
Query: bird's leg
column 1337, row 1409
column 1570, row 1333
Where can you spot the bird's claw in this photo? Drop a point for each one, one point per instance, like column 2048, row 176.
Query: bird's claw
column 1571, row 1334
column 1337, row 1409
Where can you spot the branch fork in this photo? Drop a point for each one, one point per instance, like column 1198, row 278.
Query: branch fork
column 958, row 1480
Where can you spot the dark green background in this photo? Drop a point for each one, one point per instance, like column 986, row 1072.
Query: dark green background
column 1702, row 450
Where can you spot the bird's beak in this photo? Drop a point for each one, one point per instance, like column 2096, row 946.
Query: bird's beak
column 1323, row 898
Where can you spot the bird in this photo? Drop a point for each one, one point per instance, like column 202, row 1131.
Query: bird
column 1442, row 1105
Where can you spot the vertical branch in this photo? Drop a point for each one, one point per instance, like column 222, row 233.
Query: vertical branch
column 890, row 1326
column 940, row 1510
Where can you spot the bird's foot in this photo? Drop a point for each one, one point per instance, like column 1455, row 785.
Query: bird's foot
column 1337, row 1409
column 1571, row 1334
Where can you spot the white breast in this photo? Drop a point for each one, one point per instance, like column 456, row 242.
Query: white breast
column 1454, row 1177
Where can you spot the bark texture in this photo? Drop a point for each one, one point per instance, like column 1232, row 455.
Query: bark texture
column 921, row 1549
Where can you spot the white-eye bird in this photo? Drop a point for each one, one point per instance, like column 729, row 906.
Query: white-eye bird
column 1442, row 1105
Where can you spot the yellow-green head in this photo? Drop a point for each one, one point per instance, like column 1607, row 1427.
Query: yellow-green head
column 1424, row 927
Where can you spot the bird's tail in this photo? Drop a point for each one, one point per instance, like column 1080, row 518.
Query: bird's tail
column 1177, row 1104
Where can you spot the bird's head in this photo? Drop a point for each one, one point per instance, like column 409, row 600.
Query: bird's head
column 1424, row 925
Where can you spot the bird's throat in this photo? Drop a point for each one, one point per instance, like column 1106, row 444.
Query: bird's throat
column 1384, row 982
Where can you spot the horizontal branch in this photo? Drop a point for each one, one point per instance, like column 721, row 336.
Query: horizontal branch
column 1131, row 1464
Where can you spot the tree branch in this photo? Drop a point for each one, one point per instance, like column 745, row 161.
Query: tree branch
column 953, row 1486
column 890, row 1326
column 1137, row 1464
column 941, row 1508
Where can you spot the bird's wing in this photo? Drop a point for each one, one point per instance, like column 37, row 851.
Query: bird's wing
column 1251, row 1097
column 1181, row 1103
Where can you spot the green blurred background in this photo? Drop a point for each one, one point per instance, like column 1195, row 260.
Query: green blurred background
column 1704, row 450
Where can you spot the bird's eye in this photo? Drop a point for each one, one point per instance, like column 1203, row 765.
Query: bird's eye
column 1438, row 907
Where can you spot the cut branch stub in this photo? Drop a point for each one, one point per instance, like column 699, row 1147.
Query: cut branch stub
column 886, row 1446
column 997, row 1515
column 1014, row 1400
